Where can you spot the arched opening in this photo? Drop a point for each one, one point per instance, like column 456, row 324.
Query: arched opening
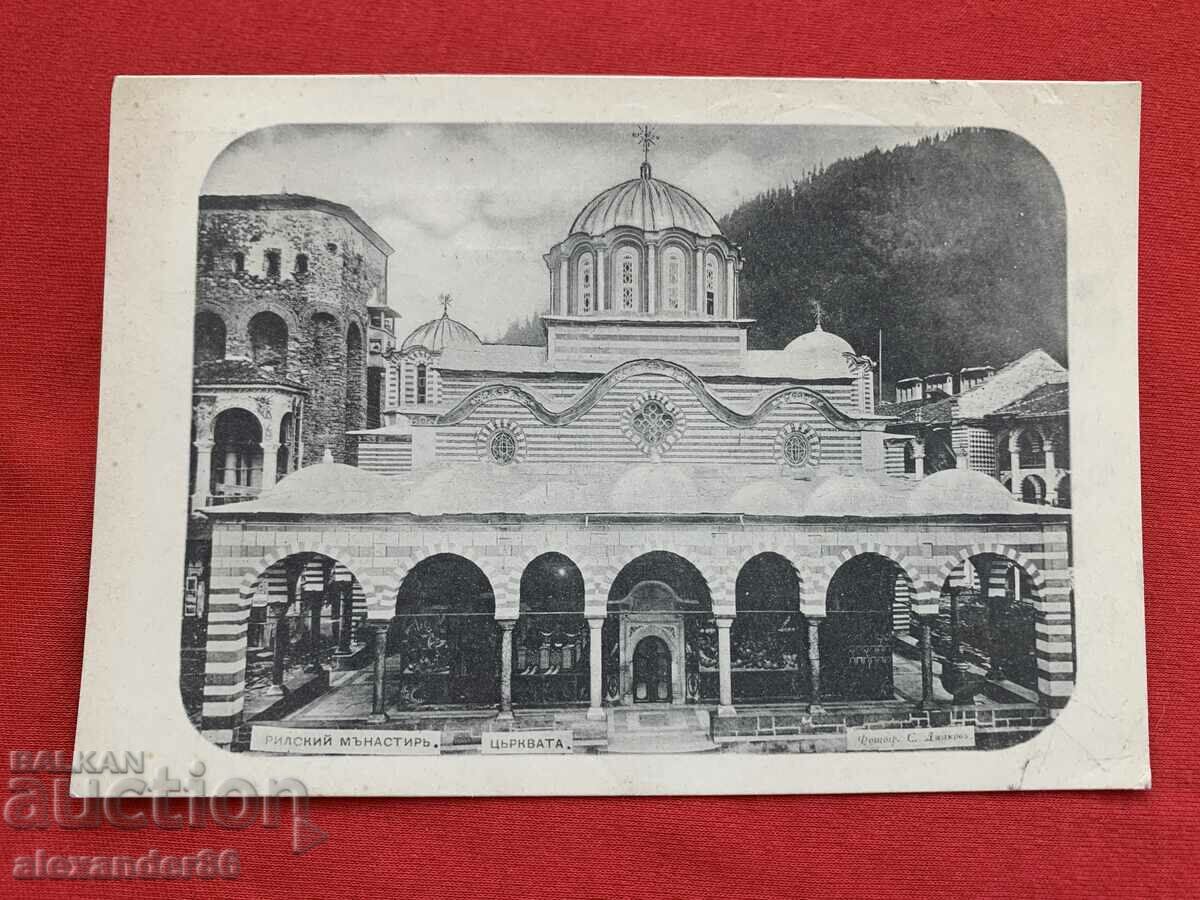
column 356, row 379
column 304, row 610
column 712, row 286
column 1063, row 492
column 674, row 279
column 768, row 640
column 856, row 639
column 628, row 288
column 444, row 637
column 550, row 641
column 209, row 337
column 652, row 671
column 910, row 459
column 663, row 594
column 939, row 452
column 985, row 630
column 1031, row 450
column 422, row 383
column 326, row 362
column 268, row 341
column 1033, row 489
column 237, row 455
column 287, row 445
column 585, row 285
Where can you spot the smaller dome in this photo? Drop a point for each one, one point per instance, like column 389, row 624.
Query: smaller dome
column 655, row 487
column 768, row 497
column 325, row 480
column 848, row 495
column 820, row 352
column 443, row 333
column 961, row 491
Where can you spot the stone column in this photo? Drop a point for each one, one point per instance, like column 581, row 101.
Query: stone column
column 506, row 656
column 926, row 663
column 595, row 669
column 279, row 649
column 345, row 632
column 700, row 307
column 919, row 458
column 270, row 454
column 316, row 601
column 1051, row 474
column 954, row 670
column 651, row 279
column 379, row 637
column 601, row 299
column 814, row 663
column 203, row 473
column 1014, row 465
column 562, row 305
column 725, row 668
column 727, row 294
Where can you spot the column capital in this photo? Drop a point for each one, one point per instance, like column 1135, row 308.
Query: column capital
column 596, row 621
column 724, row 620
column 507, row 624
column 204, row 443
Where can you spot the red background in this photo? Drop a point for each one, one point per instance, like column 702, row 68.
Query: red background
column 59, row 62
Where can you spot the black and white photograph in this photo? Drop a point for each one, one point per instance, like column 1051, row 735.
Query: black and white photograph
column 629, row 439
column 671, row 451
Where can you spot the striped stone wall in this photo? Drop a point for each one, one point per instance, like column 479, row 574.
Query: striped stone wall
column 381, row 553
column 598, row 435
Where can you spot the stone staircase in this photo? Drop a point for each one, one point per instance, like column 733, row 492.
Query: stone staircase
column 659, row 729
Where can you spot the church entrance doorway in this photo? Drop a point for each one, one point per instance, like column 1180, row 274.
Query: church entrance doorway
column 652, row 671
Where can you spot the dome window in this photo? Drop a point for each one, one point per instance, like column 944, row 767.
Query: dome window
column 627, row 267
column 674, row 279
column 585, row 285
column 273, row 263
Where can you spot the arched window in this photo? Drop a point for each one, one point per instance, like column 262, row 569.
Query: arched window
column 1031, row 451
column 586, row 285
column 910, row 459
column 1063, row 494
column 673, row 279
column 268, row 340
column 301, row 263
column 710, row 287
column 287, row 441
column 237, row 454
column 210, row 337
column 422, row 382
column 1033, row 490
column 628, row 283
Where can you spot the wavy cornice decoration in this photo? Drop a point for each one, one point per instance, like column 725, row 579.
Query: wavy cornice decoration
column 589, row 398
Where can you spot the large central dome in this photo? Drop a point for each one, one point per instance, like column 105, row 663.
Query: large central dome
column 648, row 204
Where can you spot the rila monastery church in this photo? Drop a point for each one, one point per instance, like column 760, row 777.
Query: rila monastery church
column 645, row 531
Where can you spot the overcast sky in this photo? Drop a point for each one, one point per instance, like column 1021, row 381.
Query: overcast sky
column 471, row 209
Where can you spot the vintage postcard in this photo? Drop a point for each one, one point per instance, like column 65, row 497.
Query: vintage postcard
column 533, row 435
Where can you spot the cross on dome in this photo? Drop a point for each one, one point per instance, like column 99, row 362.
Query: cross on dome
column 647, row 137
column 445, row 300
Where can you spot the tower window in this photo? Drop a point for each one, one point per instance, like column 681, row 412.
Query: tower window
column 301, row 263
column 422, row 382
column 273, row 263
column 239, row 263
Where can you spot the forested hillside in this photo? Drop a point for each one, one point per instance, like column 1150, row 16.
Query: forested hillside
column 955, row 247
